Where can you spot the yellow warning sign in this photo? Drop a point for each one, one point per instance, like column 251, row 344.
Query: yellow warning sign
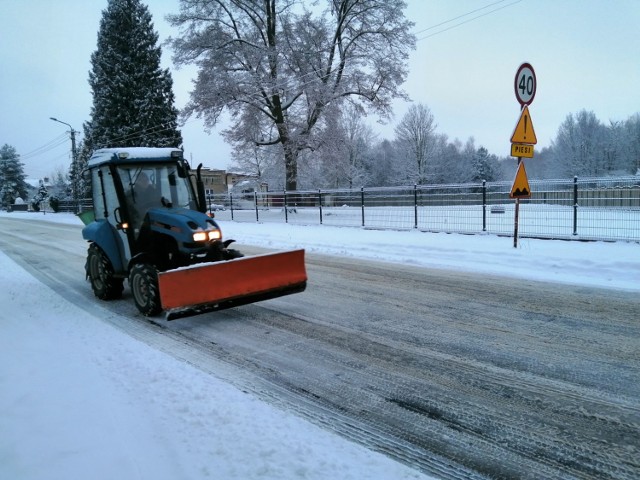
column 520, row 188
column 524, row 132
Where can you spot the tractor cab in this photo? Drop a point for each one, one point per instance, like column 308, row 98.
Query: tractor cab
column 160, row 185
column 145, row 204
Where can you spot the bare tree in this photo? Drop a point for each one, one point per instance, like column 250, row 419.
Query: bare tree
column 381, row 166
column 250, row 160
column 580, row 145
column 347, row 143
column 632, row 142
column 282, row 64
column 445, row 159
column 415, row 136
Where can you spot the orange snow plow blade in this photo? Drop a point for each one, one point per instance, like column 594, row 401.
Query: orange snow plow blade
column 217, row 286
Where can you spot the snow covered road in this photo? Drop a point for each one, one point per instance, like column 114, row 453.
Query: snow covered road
column 456, row 374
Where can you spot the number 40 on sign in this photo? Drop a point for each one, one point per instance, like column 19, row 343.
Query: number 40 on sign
column 525, row 84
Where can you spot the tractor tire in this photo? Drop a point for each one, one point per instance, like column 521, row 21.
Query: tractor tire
column 143, row 280
column 100, row 272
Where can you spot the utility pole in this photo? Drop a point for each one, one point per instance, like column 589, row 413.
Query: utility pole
column 74, row 164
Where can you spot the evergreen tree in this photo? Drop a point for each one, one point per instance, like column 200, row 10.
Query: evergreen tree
column 78, row 183
column 12, row 177
column 39, row 197
column 133, row 100
column 482, row 166
column 59, row 184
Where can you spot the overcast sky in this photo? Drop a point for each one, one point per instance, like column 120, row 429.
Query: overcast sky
column 586, row 55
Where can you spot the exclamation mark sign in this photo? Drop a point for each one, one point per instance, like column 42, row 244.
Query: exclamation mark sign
column 526, row 121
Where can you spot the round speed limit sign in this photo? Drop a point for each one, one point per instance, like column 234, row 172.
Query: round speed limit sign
column 525, row 84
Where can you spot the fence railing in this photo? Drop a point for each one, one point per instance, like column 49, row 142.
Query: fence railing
column 581, row 209
column 72, row 206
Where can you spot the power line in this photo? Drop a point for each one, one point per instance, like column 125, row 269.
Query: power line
column 466, row 21
column 50, row 145
column 459, row 16
column 59, row 157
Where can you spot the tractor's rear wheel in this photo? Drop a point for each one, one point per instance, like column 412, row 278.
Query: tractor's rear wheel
column 100, row 272
column 143, row 280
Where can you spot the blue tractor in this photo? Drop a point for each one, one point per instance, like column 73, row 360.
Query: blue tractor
column 149, row 226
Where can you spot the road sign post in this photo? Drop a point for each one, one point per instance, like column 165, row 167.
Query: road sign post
column 523, row 138
column 515, row 220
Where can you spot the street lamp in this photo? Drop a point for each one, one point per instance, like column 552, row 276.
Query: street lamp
column 74, row 169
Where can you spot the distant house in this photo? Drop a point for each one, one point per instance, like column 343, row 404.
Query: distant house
column 218, row 182
column 215, row 181
column 33, row 186
column 224, row 188
column 36, row 183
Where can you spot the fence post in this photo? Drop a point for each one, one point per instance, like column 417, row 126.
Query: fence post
column 231, row 204
column 286, row 212
column 484, row 205
column 575, row 205
column 320, row 204
column 415, row 205
column 362, row 203
column 255, row 202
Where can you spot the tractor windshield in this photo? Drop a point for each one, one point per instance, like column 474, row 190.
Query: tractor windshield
column 157, row 185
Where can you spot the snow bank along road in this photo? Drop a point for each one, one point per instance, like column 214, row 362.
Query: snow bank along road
column 458, row 375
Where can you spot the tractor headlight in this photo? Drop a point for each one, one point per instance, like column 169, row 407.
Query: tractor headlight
column 208, row 235
column 200, row 236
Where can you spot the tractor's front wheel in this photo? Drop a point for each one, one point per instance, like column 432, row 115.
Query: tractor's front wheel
column 100, row 272
column 143, row 280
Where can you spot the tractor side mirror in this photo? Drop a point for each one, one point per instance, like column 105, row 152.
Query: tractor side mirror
column 202, row 201
column 120, row 225
column 182, row 169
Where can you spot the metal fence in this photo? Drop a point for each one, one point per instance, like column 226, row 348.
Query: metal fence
column 579, row 209
column 71, row 206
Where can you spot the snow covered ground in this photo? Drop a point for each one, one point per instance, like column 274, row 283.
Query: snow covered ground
column 80, row 399
column 601, row 264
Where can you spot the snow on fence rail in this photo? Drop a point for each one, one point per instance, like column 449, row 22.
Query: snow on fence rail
column 581, row 209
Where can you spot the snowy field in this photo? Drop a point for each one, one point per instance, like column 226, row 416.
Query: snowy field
column 80, row 399
column 535, row 220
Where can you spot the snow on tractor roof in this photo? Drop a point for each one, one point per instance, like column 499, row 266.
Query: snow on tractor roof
column 129, row 154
